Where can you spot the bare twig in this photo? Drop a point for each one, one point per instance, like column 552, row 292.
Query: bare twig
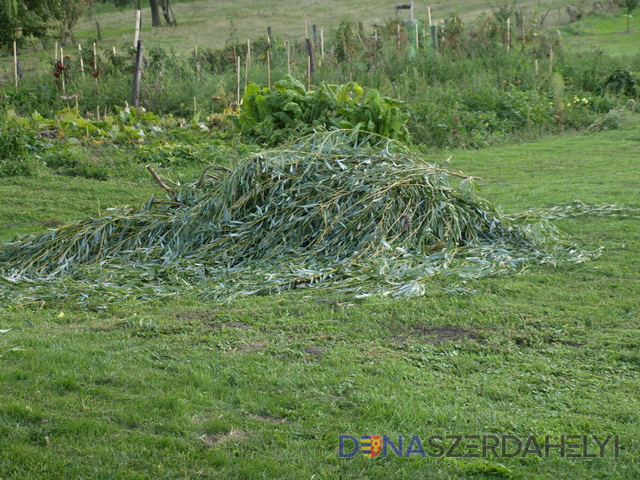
column 160, row 182
column 210, row 167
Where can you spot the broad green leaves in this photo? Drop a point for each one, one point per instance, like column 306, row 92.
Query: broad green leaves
column 289, row 111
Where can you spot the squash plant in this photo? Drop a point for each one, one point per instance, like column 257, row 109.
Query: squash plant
column 290, row 111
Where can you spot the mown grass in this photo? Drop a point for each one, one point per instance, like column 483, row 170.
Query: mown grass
column 605, row 32
column 262, row 387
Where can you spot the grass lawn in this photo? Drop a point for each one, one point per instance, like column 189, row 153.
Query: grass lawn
column 262, row 387
column 607, row 33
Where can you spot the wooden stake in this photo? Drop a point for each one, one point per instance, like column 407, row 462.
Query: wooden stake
column 269, row 62
column 288, row 59
column 95, row 63
column 550, row 60
column 536, row 66
column 114, row 49
column 55, row 54
column 64, row 90
column 429, row 15
column 434, row 36
column 136, row 37
column 322, row 44
column 308, row 73
column 98, row 113
column 15, row 62
column 81, row 59
column 238, row 79
column 312, row 63
column 508, row 34
column 417, row 38
column 137, row 75
column 247, row 63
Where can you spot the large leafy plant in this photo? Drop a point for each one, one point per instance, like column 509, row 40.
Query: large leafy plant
column 289, row 111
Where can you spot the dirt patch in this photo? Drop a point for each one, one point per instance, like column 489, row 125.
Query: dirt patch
column 315, row 351
column 233, row 435
column 271, row 419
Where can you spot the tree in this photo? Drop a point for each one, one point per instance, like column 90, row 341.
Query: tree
column 21, row 19
column 155, row 13
column 167, row 12
column 630, row 6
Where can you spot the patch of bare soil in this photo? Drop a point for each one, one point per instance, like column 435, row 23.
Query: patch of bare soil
column 315, row 351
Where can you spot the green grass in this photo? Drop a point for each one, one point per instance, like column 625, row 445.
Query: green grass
column 607, row 33
column 262, row 387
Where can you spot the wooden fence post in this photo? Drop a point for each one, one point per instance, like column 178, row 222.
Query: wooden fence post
column 288, row 59
column 248, row 63
column 269, row 62
column 136, row 36
column 238, row 78
column 81, row 59
column 434, row 36
column 137, row 74
column 15, row 62
column 96, row 72
column 64, row 90
column 312, row 65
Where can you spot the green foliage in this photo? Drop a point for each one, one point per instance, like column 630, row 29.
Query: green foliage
column 20, row 147
column 289, row 111
column 621, row 81
column 37, row 18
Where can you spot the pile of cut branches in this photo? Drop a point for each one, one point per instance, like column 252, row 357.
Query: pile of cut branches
column 327, row 211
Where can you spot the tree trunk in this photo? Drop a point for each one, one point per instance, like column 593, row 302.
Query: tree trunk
column 155, row 13
column 167, row 11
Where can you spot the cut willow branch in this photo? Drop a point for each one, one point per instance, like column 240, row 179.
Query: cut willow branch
column 163, row 185
column 211, row 167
